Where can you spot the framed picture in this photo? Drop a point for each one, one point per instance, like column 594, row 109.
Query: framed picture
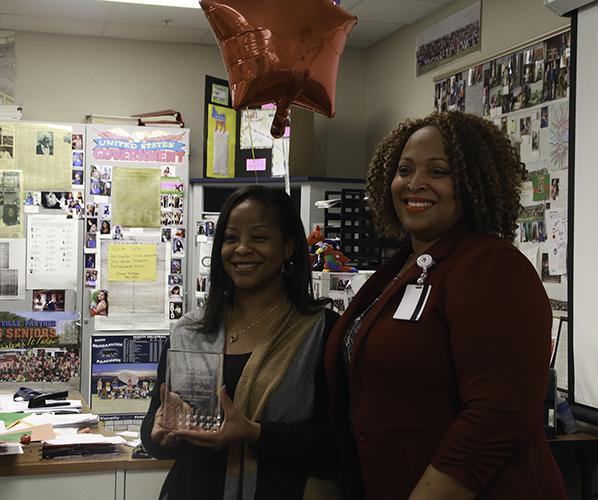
column 450, row 39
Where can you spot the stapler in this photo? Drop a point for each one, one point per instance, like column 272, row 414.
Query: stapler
column 25, row 393
column 41, row 400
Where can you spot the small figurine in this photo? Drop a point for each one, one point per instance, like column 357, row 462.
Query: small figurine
column 334, row 260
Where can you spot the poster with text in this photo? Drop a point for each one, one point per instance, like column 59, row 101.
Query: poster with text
column 123, row 372
column 39, row 350
column 221, row 142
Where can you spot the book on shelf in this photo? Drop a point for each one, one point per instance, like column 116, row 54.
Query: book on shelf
column 110, row 119
column 166, row 117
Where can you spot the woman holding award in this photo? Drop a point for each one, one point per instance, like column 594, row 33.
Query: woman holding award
column 439, row 367
column 275, row 441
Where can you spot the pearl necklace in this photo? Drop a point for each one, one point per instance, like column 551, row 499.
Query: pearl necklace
column 234, row 336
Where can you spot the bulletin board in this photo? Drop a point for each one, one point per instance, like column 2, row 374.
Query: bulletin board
column 526, row 94
column 135, row 257
column 92, row 255
column 238, row 144
column 42, row 200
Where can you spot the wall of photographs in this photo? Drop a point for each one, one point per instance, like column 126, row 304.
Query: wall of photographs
column 135, row 260
column 41, row 193
column 526, row 94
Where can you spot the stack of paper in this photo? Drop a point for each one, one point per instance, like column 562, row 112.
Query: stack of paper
column 10, row 112
column 77, row 445
column 57, row 421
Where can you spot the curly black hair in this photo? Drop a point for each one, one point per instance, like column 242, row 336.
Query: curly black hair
column 485, row 168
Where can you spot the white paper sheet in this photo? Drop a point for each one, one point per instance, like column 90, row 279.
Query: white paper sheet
column 52, row 257
column 12, row 269
column 135, row 305
column 75, row 420
column 531, row 252
column 556, row 222
column 85, row 439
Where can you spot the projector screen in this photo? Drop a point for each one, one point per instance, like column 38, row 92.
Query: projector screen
column 584, row 223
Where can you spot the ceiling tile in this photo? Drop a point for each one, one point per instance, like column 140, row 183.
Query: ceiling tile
column 91, row 10
column 152, row 15
column 159, row 34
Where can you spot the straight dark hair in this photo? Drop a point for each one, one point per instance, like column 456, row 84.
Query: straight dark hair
column 298, row 286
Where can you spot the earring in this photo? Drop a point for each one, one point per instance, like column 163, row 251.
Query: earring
column 288, row 268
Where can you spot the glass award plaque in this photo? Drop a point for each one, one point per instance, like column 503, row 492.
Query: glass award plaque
column 192, row 396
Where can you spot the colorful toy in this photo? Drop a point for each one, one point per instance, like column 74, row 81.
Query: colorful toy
column 334, row 260
column 315, row 236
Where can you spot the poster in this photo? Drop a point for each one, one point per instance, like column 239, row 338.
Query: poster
column 12, row 269
column 11, row 204
column 138, row 145
column 44, row 154
column 40, row 350
column 52, row 257
column 221, row 142
column 136, row 197
column 123, row 372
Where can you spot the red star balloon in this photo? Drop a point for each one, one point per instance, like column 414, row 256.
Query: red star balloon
column 281, row 51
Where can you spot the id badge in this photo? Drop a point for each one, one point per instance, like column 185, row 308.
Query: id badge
column 413, row 302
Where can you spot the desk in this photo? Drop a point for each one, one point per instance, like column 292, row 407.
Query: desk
column 116, row 477
column 585, row 447
column 113, row 477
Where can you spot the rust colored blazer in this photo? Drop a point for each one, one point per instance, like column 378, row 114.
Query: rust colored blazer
column 462, row 389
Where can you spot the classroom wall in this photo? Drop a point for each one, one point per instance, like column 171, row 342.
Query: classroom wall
column 394, row 93
column 63, row 78
column 339, row 143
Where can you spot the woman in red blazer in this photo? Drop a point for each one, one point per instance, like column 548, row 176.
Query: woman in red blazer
column 437, row 389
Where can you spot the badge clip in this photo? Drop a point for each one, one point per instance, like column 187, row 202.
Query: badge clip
column 425, row 261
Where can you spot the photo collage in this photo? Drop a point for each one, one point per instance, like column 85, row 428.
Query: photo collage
column 99, row 226
column 204, row 237
column 526, row 95
column 38, row 197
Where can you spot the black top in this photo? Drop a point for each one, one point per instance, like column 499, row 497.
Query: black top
column 285, row 452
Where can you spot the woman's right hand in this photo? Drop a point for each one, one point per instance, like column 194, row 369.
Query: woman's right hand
column 161, row 435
